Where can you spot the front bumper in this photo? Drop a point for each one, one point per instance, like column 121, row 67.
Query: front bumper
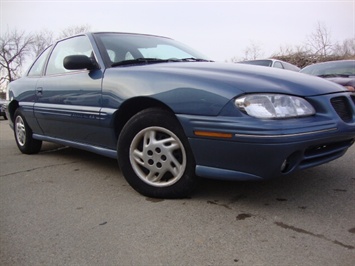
column 255, row 161
column 262, row 149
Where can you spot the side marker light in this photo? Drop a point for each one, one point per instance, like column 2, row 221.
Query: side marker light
column 213, row 134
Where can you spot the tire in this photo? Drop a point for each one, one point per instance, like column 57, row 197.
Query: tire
column 23, row 135
column 155, row 157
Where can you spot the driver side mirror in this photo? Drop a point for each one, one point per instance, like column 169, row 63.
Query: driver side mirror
column 77, row 62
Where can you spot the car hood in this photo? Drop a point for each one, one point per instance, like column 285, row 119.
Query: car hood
column 204, row 88
column 248, row 79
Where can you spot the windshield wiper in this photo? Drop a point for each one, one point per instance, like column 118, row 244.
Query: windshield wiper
column 333, row 75
column 141, row 61
column 193, row 59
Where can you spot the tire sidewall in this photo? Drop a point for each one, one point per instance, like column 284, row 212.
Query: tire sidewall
column 155, row 117
column 31, row 145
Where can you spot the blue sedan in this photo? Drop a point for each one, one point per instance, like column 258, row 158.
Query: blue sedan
column 171, row 115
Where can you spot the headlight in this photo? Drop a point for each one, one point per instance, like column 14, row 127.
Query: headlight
column 274, row 106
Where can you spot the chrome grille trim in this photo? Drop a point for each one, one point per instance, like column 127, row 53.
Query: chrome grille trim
column 286, row 135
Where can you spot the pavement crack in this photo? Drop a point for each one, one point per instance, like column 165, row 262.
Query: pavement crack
column 215, row 202
column 302, row 231
column 36, row 168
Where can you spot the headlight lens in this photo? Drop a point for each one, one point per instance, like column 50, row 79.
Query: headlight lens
column 274, row 106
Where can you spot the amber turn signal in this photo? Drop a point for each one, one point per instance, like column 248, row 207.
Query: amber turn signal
column 213, row 134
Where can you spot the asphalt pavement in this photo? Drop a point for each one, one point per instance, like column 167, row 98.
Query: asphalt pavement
column 65, row 206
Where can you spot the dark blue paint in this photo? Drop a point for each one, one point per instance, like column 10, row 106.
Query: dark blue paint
column 83, row 109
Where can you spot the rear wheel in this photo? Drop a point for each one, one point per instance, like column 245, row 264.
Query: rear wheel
column 155, row 157
column 23, row 135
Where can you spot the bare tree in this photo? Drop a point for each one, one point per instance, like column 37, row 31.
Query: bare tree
column 14, row 46
column 346, row 49
column 41, row 41
column 320, row 42
column 296, row 55
column 318, row 47
column 17, row 48
column 45, row 38
column 73, row 30
column 253, row 51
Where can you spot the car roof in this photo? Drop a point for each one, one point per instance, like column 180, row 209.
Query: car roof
column 334, row 62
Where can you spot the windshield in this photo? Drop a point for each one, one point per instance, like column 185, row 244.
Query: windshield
column 329, row 69
column 134, row 48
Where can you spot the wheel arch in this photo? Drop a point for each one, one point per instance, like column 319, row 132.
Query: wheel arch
column 133, row 106
column 12, row 107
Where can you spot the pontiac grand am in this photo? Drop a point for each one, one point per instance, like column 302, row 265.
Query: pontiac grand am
column 170, row 115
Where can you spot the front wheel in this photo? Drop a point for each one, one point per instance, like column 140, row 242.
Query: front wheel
column 23, row 135
column 155, row 157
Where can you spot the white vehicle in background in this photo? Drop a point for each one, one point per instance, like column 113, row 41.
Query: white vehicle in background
column 272, row 63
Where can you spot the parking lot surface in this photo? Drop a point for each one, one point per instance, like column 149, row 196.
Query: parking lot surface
column 65, row 206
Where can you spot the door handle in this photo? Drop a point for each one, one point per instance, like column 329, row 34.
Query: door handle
column 39, row 91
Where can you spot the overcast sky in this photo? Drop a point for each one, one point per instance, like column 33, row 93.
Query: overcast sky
column 219, row 29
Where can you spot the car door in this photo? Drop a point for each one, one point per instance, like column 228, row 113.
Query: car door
column 69, row 101
column 25, row 89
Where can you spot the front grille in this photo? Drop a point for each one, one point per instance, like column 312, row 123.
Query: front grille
column 342, row 107
column 323, row 153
